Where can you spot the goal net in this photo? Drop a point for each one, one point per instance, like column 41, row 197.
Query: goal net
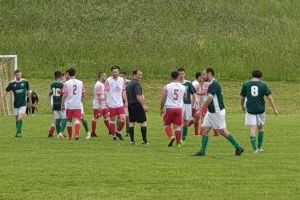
column 8, row 64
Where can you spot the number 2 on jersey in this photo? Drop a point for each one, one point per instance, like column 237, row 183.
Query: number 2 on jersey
column 74, row 89
column 175, row 97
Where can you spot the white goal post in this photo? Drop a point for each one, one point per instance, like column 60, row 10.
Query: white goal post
column 8, row 64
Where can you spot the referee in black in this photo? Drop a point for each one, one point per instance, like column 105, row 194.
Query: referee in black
column 136, row 106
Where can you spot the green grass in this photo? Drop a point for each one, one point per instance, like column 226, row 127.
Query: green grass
column 157, row 36
column 34, row 167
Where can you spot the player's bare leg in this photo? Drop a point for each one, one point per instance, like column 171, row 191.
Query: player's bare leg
column 121, row 123
column 69, row 129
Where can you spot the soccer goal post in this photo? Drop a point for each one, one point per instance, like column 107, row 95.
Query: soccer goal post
column 8, row 64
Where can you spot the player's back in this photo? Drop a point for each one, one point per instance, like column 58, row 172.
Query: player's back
column 255, row 91
column 114, row 87
column 98, row 91
column 56, row 97
column 175, row 93
column 74, row 90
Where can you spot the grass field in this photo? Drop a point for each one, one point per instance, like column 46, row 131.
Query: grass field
column 158, row 35
column 35, row 167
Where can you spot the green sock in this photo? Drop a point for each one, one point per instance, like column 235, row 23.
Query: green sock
column 253, row 143
column 85, row 125
column 19, row 126
column 233, row 141
column 204, row 142
column 63, row 125
column 184, row 133
column 260, row 139
column 57, row 125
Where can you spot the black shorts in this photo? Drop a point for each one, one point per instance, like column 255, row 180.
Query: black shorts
column 136, row 113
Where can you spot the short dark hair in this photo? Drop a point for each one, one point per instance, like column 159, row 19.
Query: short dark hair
column 17, row 71
column 210, row 70
column 257, row 74
column 100, row 74
column 123, row 72
column 72, row 71
column 136, row 71
column 174, row 74
column 115, row 67
column 197, row 74
column 181, row 69
column 57, row 74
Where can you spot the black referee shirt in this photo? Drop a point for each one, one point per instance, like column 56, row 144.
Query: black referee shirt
column 133, row 89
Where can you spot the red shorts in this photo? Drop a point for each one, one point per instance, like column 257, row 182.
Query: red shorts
column 73, row 114
column 203, row 113
column 100, row 112
column 116, row 111
column 173, row 116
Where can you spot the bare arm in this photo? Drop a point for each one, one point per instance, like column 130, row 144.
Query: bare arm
column 163, row 101
column 271, row 101
column 207, row 102
column 243, row 103
column 124, row 95
column 63, row 101
column 142, row 102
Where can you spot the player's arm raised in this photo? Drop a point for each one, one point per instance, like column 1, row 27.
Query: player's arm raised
column 163, row 101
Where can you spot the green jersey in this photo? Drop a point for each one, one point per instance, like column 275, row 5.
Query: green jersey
column 189, row 91
column 215, row 90
column 255, row 91
column 20, row 90
column 56, row 88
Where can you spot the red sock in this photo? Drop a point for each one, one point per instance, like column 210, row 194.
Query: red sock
column 69, row 129
column 112, row 129
column 178, row 136
column 94, row 124
column 196, row 126
column 77, row 130
column 168, row 130
column 106, row 122
column 52, row 129
column 121, row 126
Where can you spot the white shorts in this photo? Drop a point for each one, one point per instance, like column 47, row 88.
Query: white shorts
column 59, row 114
column 187, row 112
column 255, row 120
column 215, row 120
column 21, row 110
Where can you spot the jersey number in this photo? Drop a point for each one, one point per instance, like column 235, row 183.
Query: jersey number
column 176, row 94
column 56, row 92
column 254, row 91
column 74, row 89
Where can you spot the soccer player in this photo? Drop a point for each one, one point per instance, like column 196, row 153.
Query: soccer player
column 136, row 106
column 123, row 74
column 215, row 117
column 83, row 120
column 52, row 125
column 172, row 108
column 187, row 102
column 20, row 89
column 253, row 93
column 99, row 106
column 73, row 93
column 196, row 107
column 55, row 94
column 115, row 98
